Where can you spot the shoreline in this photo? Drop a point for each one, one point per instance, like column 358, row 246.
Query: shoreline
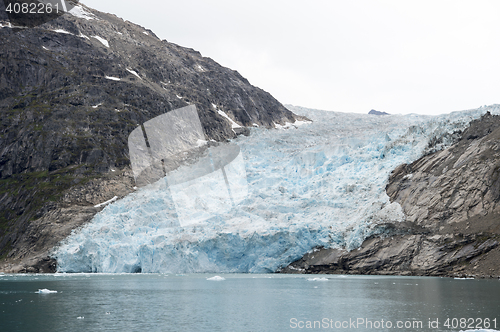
column 457, row 277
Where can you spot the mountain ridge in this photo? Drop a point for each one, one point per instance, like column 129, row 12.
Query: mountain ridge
column 71, row 91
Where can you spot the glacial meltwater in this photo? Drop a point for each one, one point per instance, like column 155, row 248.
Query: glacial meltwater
column 245, row 302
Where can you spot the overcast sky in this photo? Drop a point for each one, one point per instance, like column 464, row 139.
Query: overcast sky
column 397, row 56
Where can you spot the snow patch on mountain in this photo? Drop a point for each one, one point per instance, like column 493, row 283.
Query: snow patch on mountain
column 62, row 31
column 102, row 40
column 233, row 124
column 80, row 12
column 133, row 72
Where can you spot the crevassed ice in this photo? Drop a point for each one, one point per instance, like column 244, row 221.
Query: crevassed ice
column 319, row 185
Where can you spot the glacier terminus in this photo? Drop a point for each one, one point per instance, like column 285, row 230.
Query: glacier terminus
column 298, row 187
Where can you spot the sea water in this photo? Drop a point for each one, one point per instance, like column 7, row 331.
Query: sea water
column 245, row 302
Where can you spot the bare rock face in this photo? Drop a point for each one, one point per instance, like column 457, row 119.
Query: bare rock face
column 451, row 202
column 71, row 92
column 456, row 185
column 423, row 255
column 374, row 112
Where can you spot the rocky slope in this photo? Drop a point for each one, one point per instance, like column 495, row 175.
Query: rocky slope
column 374, row 112
column 71, row 91
column 451, row 202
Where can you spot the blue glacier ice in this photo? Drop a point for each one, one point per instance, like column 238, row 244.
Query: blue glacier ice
column 320, row 184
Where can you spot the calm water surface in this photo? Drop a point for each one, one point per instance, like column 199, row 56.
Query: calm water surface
column 244, row 302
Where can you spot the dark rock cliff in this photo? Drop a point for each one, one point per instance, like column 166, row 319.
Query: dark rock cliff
column 451, row 202
column 374, row 112
column 71, row 91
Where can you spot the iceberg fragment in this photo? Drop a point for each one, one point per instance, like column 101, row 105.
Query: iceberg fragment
column 46, row 291
column 317, row 279
column 216, row 278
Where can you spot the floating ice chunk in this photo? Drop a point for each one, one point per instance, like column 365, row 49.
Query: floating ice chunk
column 233, row 124
column 113, row 78
column 317, row 279
column 107, row 202
column 216, row 278
column 80, row 317
column 46, row 291
column 80, row 12
column 102, row 40
column 133, row 73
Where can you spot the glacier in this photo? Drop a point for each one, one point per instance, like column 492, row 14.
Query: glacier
column 321, row 184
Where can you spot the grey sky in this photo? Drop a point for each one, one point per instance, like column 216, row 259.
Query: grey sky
column 397, row 56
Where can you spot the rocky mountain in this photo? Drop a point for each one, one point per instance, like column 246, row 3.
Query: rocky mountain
column 451, row 202
column 374, row 112
column 71, row 92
